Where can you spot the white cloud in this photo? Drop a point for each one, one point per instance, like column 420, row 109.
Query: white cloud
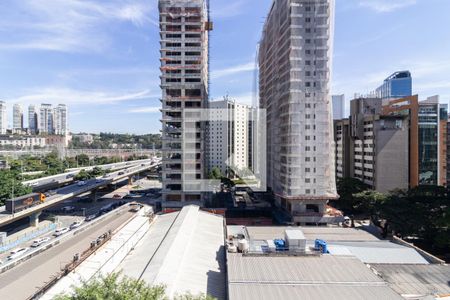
column 233, row 70
column 386, row 5
column 76, row 97
column 69, row 25
column 140, row 110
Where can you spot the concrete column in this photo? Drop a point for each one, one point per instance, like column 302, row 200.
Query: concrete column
column 130, row 180
column 34, row 219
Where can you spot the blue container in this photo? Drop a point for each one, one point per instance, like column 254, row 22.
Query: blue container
column 280, row 245
column 321, row 246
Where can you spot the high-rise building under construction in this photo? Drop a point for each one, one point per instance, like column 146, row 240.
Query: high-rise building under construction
column 295, row 71
column 184, row 26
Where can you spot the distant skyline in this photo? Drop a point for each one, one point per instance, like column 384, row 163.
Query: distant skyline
column 102, row 59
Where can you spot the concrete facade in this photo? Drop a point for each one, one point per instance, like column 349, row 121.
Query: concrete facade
column 184, row 31
column 295, row 60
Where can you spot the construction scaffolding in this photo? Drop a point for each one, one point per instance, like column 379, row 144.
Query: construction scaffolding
column 295, row 72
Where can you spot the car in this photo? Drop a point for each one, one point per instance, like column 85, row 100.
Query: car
column 50, row 193
column 81, row 183
column 38, row 242
column 75, row 224
column 120, row 173
column 18, row 252
column 105, row 176
column 34, row 184
column 61, row 231
column 142, row 165
column 98, row 181
column 117, row 196
column 70, row 176
column 68, row 209
column 90, row 218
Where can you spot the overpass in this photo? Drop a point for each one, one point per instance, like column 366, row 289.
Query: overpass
column 53, row 181
column 65, row 152
column 71, row 191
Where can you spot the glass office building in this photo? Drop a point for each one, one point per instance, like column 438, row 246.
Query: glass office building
column 397, row 85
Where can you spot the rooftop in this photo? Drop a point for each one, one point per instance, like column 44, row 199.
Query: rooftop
column 183, row 250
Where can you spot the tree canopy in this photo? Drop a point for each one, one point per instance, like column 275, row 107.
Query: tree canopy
column 117, row 287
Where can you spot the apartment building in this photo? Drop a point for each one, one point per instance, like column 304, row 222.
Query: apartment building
column 60, row 120
column 45, row 119
column 17, row 117
column 33, row 123
column 3, row 118
column 184, row 31
column 230, row 136
column 294, row 78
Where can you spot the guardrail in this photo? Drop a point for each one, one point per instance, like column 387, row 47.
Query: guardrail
column 57, row 241
column 27, row 237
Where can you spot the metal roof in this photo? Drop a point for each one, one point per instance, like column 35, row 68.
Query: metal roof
column 311, row 233
column 380, row 252
column 420, row 280
column 301, row 277
column 184, row 251
column 308, row 292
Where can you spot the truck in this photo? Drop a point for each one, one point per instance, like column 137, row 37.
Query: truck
column 23, row 202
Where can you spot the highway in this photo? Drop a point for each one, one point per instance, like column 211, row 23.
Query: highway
column 68, row 176
column 25, row 279
column 73, row 190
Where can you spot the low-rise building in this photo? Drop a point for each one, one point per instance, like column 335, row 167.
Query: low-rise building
column 22, row 141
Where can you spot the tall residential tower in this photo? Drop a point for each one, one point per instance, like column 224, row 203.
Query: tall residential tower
column 3, row 118
column 184, row 26
column 17, row 116
column 295, row 71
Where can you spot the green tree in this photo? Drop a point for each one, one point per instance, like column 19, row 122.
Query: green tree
column 10, row 186
column 215, row 173
column 96, row 171
column 116, row 287
column 347, row 188
column 83, row 175
column 83, row 160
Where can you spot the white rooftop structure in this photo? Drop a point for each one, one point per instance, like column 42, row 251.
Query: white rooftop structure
column 183, row 251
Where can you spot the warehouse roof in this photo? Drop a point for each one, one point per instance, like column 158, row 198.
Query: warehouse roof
column 294, row 277
column 312, row 233
column 184, row 251
column 380, row 252
column 416, row 280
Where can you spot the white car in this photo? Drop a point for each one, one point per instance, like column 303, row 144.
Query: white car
column 81, row 183
column 76, row 224
column 18, row 252
column 40, row 241
column 61, row 231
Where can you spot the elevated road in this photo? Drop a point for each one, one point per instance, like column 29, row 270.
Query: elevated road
column 73, row 190
column 68, row 176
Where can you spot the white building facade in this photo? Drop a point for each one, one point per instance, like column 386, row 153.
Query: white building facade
column 45, row 119
column 17, row 117
column 229, row 135
column 3, row 118
column 338, row 107
column 60, row 119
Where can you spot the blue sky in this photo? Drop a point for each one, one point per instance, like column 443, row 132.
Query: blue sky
column 101, row 57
